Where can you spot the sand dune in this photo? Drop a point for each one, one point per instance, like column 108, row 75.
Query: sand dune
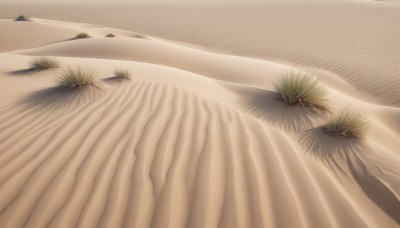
column 187, row 142
column 133, row 159
column 355, row 39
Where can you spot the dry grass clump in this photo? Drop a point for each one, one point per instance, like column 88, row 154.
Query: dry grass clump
column 122, row 74
column 44, row 63
column 21, row 18
column 110, row 35
column 299, row 88
column 348, row 123
column 76, row 77
column 82, row 35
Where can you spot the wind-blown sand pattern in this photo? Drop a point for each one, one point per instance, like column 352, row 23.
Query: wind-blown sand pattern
column 193, row 139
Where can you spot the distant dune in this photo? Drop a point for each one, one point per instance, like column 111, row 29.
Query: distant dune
column 197, row 138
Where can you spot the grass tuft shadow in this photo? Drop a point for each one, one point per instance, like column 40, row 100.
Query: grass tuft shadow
column 60, row 98
column 25, row 72
column 266, row 105
column 114, row 80
column 347, row 156
column 329, row 149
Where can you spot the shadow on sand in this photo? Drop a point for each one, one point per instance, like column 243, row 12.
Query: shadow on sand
column 375, row 189
column 25, row 72
column 60, row 98
column 114, row 81
column 328, row 148
column 343, row 154
column 265, row 104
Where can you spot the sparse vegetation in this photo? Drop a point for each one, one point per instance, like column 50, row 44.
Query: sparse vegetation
column 44, row 63
column 298, row 88
column 76, row 77
column 21, row 18
column 348, row 123
column 122, row 74
column 82, row 35
column 110, row 35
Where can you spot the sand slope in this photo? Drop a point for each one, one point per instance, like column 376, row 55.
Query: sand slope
column 358, row 40
column 194, row 139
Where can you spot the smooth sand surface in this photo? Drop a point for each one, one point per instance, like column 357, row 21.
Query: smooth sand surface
column 196, row 138
column 358, row 40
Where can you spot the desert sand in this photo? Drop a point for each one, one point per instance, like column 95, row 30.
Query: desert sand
column 197, row 138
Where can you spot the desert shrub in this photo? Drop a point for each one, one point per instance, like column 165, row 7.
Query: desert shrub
column 122, row 74
column 299, row 88
column 43, row 63
column 76, row 77
column 347, row 123
column 110, row 35
column 82, row 35
column 21, row 18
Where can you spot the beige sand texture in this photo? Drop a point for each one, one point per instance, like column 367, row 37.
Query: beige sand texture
column 193, row 139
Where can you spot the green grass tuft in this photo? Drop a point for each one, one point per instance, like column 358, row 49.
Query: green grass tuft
column 82, row 35
column 122, row 74
column 348, row 123
column 299, row 88
column 21, row 18
column 44, row 63
column 76, row 77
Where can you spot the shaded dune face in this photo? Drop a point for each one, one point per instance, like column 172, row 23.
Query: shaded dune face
column 153, row 155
